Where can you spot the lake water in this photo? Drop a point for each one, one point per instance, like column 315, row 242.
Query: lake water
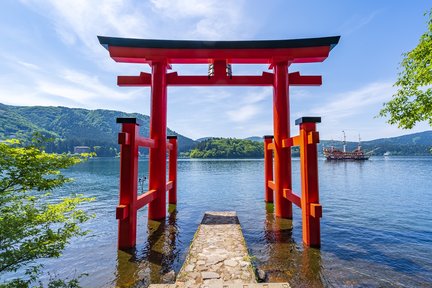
column 376, row 229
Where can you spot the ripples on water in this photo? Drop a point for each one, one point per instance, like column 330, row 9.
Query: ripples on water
column 376, row 226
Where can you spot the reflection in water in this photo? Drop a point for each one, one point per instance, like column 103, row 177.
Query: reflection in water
column 311, row 267
column 127, row 267
column 376, row 228
column 283, row 260
column 141, row 267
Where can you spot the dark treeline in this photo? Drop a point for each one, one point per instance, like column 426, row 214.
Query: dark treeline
column 70, row 127
column 227, row 148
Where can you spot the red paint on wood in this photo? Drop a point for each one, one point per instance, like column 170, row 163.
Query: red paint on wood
column 146, row 142
column 128, row 187
column 202, row 56
column 146, row 198
column 158, row 126
column 172, row 196
column 309, row 183
column 282, row 157
column 268, row 170
column 288, row 194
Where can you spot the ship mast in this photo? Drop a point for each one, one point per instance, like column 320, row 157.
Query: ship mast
column 359, row 143
column 344, row 142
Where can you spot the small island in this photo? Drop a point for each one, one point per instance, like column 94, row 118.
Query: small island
column 227, row 148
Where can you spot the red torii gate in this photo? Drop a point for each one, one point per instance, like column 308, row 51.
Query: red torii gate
column 160, row 54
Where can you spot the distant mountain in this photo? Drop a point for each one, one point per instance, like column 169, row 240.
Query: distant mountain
column 421, row 138
column 203, row 139
column 73, row 127
column 98, row 130
column 411, row 144
column 255, row 138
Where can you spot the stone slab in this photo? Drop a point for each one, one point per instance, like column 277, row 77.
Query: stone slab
column 218, row 257
column 223, row 285
column 218, row 251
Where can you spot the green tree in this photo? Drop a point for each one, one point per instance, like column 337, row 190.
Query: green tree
column 412, row 102
column 31, row 227
column 227, row 148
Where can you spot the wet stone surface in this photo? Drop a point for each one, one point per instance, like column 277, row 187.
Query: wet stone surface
column 218, row 253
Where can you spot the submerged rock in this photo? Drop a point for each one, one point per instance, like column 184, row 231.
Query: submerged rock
column 169, row 278
column 261, row 274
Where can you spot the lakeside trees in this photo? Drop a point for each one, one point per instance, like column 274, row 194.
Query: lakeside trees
column 412, row 102
column 227, row 148
column 33, row 224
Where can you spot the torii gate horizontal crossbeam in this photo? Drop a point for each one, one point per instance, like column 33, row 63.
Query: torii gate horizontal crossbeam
column 173, row 79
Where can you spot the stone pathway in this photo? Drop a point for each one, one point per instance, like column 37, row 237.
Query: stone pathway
column 218, row 257
column 248, row 285
column 218, row 253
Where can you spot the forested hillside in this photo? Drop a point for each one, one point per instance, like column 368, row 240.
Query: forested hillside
column 227, row 148
column 97, row 129
column 73, row 127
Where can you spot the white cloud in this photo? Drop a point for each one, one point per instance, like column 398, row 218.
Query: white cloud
column 356, row 23
column 64, row 91
column 210, row 19
column 243, row 114
column 176, row 9
column 250, row 105
column 64, row 87
column 354, row 102
column 354, row 111
column 81, row 20
column 256, row 129
column 258, row 95
column 93, row 85
column 28, row 65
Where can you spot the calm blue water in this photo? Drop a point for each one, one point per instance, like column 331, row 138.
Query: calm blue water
column 376, row 226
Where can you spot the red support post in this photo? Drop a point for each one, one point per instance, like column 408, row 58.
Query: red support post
column 311, row 209
column 268, row 169
column 172, row 196
column 126, row 211
column 158, row 126
column 282, row 156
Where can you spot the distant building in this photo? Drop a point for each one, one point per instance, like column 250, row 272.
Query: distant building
column 81, row 149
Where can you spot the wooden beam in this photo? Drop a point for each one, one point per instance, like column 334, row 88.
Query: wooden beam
column 316, row 210
column 270, row 146
column 295, row 79
column 288, row 194
column 122, row 212
column 169, row 185
column 146, row 142
column 169, row 146
column 143, row 80
column 271, row 185
column 123, row 138
column 145, row 198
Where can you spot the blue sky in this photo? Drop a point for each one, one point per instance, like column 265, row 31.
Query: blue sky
column 50, row 56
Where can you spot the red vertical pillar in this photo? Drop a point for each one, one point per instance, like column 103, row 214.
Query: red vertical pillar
column 158, row 127
column 282, row 156
column 126, row 212
column 311, row 209
column 268, row 169
column 172, row 196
